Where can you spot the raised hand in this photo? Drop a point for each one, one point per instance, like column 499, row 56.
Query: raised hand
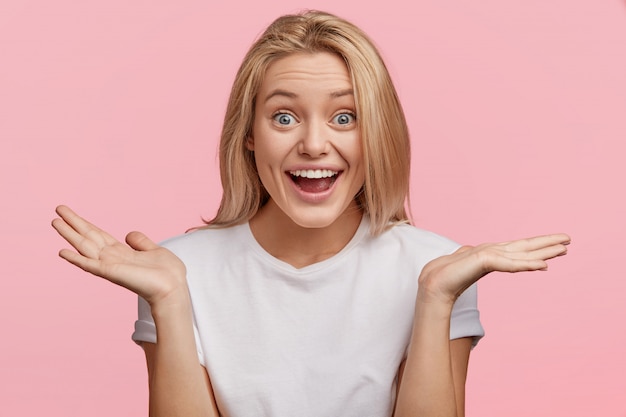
column 445, row 278
column 141, row 266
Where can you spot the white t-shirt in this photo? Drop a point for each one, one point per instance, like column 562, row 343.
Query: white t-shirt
column 325, row 340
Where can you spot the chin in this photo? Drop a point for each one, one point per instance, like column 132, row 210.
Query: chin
column 317, row 218
column 311, row 222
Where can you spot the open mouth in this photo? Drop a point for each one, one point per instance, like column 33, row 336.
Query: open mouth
column 314, row 180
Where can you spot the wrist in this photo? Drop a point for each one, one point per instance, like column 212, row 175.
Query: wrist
column 175, row 302
column 430, row 294
column 428, row 307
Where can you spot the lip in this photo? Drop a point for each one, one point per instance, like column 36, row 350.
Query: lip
column 309, row 197
column 305, row 167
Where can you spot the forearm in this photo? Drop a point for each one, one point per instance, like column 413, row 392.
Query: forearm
column 433, row 383
column 178, row 383
column 427, row 385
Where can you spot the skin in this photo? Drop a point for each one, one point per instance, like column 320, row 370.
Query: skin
column 304, row 119
column 178, row 384
column 300, row 230
column 433, row 379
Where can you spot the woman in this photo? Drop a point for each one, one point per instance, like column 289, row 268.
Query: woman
column 308, row 294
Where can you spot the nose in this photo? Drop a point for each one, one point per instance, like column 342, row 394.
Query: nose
column 315, row 140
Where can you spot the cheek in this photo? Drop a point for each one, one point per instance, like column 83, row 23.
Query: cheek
column 353, row 152
column 359, row 161
column 265, row 155
column 269, row 163
column 272, row 149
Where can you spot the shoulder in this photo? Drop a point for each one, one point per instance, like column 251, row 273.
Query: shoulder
column 199, row 241
column 416, row 240
column 404, row 246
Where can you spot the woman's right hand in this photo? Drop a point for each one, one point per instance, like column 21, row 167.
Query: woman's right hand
column 179, row 385
column 142, row 266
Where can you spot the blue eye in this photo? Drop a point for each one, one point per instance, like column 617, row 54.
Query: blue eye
column 344, row 119
column 284, row 119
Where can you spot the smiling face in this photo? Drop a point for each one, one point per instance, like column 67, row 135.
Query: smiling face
column 306, row 140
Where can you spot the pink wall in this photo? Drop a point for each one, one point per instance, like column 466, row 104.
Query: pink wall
column 518, row 116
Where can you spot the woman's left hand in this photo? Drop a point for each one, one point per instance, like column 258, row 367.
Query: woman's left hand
column 445, row 278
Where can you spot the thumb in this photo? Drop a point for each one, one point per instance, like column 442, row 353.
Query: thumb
column 139, row 241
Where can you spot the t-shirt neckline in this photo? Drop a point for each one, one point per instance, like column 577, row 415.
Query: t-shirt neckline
column 361, row 232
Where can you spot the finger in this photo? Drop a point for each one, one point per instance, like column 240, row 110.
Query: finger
column 550, row 252
column 139, row 241
column 79, row 224
column 86, row 264
column 518, row 265
column 543, row 253
column 96, row 267
column 84, row 227
column 537, row 242
column 85, row 247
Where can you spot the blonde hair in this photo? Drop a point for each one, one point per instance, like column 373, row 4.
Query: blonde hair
column 381, row 121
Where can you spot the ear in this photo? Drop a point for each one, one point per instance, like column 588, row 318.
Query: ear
column 250, row 143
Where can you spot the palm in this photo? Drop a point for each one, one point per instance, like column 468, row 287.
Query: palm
column 140, row 265
column 448, row 276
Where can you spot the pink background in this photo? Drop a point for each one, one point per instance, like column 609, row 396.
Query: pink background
column 518, row 116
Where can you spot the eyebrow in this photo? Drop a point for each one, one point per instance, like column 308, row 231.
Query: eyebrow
column 289, row 94
column 341, row 93
column 279, row 92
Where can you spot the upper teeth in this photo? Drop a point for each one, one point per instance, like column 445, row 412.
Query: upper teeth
column 313, row 173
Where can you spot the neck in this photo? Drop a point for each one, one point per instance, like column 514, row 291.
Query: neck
column 301, row 246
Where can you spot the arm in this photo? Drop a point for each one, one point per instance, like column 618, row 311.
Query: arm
column 433, row 381
column 460, row 354
column 433, row 378
column 459, row 358
column 178, row 383
column 150, row 351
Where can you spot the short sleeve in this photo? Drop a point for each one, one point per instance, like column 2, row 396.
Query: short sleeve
column 465, row 320
column 145, row 330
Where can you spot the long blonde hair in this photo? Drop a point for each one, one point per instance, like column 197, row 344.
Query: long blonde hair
column 383, row 128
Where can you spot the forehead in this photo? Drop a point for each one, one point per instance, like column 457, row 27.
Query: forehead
column 319, row 70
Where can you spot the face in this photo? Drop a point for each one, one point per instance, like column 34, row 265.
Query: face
column 305, row 138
